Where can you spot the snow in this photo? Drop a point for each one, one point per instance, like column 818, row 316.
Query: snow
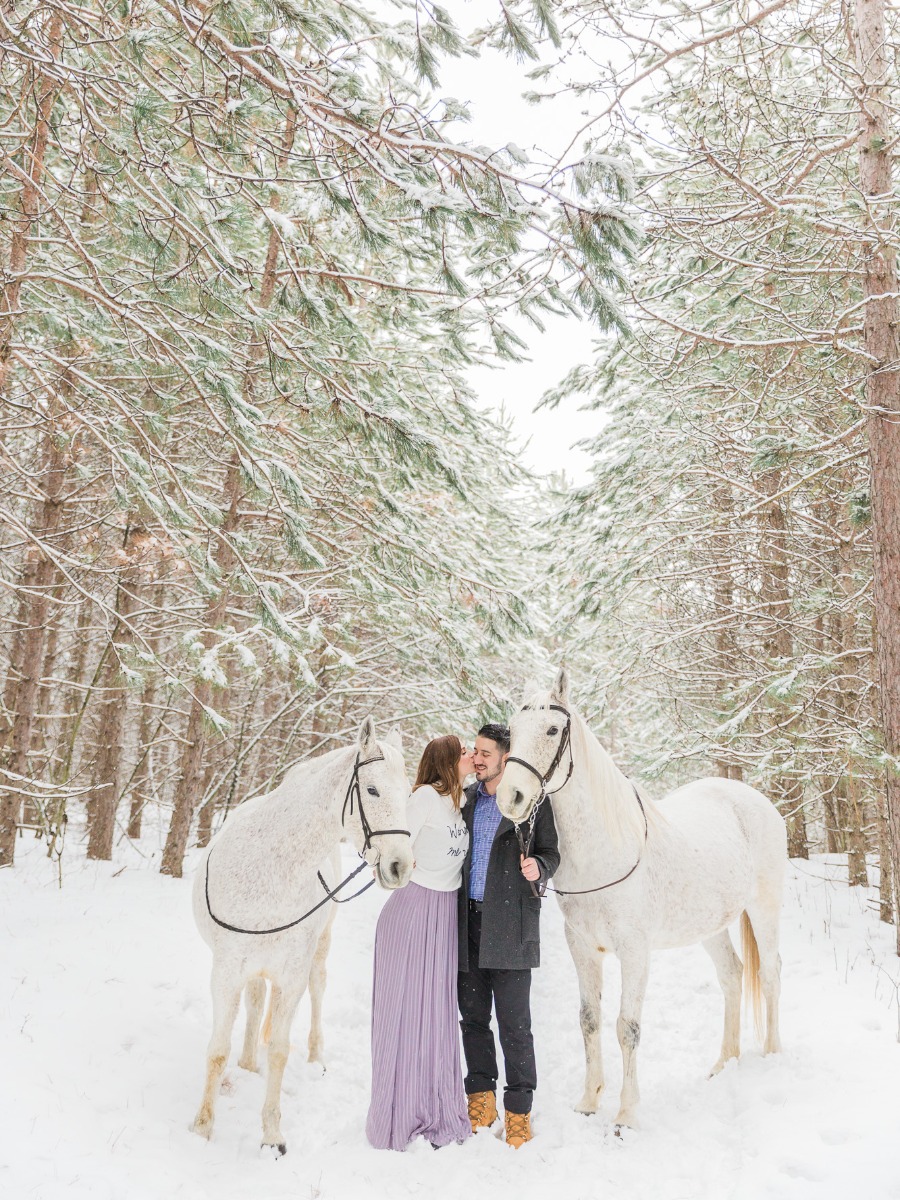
column 105, row 1016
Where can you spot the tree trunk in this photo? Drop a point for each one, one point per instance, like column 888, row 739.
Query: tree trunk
column 887, row 903
column 882, row 392
column 778, row 644
column 140, row 783
column 21, row 691
column 39, row 578
column 107, row 767
column 725, row 643
column 46, row 88
column 188, row 789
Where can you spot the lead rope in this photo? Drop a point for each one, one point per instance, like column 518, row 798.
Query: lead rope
column 353, row 791
column 541, row 891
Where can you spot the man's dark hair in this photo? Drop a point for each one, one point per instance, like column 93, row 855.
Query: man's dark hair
column 497, row 733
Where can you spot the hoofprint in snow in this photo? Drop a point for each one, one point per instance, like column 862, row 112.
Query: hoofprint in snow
column 105, row 1018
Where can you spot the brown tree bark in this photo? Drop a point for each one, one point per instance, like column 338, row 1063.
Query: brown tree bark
column 190, row 778
column 140, row 783
column 778, row 643
column 880, row 337
column 188, row 790
column 36, row 584
column 39, row 576
column 107, row 766
column 46, row 90
column 725, row 658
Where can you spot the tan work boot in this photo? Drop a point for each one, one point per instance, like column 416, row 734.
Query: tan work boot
column 518, row 1129
column 482, row 1109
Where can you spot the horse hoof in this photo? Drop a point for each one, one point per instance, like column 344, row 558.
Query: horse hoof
column 585, row 1111
column 280, row 1148
column 202, row 1129
column 247, row 1065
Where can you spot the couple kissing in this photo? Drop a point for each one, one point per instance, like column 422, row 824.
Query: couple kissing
column 458, row 942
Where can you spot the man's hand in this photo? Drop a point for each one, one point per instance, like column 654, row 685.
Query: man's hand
column 530, row 868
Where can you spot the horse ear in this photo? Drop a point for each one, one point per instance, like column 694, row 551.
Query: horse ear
column 528, row 690
column 395, row 739
column 367, row 737
column 561, row 686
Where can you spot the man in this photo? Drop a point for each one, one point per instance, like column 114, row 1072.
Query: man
column 499, row 932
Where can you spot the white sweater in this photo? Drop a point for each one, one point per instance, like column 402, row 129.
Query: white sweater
column 439, row 837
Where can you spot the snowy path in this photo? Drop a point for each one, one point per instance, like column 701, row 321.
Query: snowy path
column 104, row 1017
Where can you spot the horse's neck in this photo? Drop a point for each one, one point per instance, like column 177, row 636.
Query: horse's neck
column 594, row 812
column 308, row 804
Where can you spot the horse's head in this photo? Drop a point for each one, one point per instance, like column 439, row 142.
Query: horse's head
column 376, row 820
column 539, row 750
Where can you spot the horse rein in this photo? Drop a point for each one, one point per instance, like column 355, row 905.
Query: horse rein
column 565, row 743
column 353, row 795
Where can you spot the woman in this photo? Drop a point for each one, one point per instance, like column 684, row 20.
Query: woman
column 417, row 1087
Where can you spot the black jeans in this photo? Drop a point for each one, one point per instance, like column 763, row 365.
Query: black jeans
column 510, row 993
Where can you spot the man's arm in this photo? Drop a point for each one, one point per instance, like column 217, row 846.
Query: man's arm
column 545, row 847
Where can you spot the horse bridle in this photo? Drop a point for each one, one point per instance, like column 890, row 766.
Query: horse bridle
column 353, row 795
column 565, row 743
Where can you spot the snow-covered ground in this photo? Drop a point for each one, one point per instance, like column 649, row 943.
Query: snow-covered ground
column 104, row 1017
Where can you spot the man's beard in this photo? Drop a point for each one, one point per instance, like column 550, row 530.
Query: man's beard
column 489, row 778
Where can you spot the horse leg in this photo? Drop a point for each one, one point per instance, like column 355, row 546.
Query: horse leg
column 226, row 996
column 317, row 977
column 589, row 968
column 764, row 921
column 254, row 1001
column 635, row 971
column 729, row 970
column 284, row 1005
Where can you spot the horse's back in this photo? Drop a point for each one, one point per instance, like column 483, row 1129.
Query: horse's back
column 719, row 847
column 727, row 810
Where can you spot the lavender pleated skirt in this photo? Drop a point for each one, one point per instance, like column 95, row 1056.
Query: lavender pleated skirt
column 417, row 1083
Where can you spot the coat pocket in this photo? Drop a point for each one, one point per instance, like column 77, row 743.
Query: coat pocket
column 531, row 919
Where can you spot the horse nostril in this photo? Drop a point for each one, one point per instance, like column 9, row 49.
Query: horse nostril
column 517, row 798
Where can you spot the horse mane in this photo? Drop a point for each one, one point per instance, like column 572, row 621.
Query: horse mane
column 612, row 791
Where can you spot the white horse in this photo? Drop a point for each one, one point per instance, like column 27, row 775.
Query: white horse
column 262, row 873
column 642, row 877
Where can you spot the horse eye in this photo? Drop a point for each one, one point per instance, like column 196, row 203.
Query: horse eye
column 552, row 730
column 373, row 791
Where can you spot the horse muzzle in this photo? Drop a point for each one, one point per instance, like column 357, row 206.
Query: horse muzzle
column 393, row 869
column 514, row 803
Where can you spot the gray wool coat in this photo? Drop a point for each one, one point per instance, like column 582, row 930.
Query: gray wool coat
column 510, row 918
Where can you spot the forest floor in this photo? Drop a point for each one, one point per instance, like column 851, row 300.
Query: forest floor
column 105, row 1013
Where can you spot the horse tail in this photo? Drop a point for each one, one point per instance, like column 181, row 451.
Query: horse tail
column 267, row 1023
column 752, row 989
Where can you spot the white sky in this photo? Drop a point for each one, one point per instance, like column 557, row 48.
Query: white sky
column 492, row 85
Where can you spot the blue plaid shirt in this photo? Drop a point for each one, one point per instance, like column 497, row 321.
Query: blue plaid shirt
column 484, row 825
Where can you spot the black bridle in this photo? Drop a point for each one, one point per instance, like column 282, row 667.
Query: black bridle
column 353, row 796
column 565, row 743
